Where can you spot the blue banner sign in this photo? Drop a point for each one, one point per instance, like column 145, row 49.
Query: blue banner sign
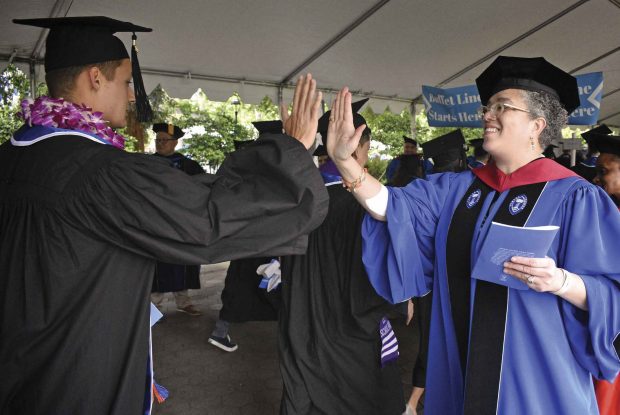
column 458, row 107
column 452, row 107
column 590, row 94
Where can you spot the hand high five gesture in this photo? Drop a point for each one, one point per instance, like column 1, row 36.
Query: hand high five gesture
column 303, row 121
column 343, row 136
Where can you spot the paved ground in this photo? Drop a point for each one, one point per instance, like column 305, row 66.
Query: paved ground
column 204, row 380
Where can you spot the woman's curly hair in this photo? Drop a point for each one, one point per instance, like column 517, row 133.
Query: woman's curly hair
column 543, row 104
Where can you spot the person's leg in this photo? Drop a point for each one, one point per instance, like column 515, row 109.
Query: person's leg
column 221, row 328
column 220, row 338
column 414, row 399
column 182, row 298
column 184, row 303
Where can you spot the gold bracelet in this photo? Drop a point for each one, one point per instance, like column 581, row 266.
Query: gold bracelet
column 352, row 186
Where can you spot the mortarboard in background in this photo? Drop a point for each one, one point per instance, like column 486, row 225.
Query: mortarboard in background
column 357, row 118
column 270, row 127
column 606, row 143
column 78, row 41
column 410, row 140
column 170, row 129
column 531, row 74
column 447, row 143
column 476, row 142
column 320, row 151
column 596, row 131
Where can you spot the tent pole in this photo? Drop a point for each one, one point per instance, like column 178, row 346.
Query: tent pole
column 33, row 78
column 280, row 95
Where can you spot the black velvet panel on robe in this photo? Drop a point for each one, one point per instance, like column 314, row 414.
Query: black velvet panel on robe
column 330, row 346
column 81, row 226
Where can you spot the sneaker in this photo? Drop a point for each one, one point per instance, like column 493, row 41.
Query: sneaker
column 223, row 343
column 189, row 309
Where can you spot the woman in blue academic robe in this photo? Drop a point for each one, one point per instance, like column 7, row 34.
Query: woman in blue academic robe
column 495, row 349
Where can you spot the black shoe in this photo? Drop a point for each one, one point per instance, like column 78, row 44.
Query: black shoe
column 223, row 343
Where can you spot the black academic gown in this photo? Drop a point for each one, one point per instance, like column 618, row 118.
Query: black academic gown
column 242, row 298
column 81, row 226
column 585, row 171
column 178, row 277
column 330, row 345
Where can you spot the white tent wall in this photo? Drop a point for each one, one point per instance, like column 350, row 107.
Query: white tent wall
column 382, row 48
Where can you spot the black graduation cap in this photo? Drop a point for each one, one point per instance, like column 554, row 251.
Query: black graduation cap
column 606, row 143
column 77, row 41
column 357, row 118
column 172, row 130
column 531, row 74
column 320, row 151
column 600, row 130
column 271, row 127
column 239, row 144
column 447, row 143
column 410, row 140
column 476, row 142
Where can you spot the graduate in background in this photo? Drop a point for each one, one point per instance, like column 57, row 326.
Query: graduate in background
column 587, row 168
column 480, row 157
column 82, row 223
column 410, row 148
column 495, row 349
column 447, row 152
column 337, row 348
column 175, row 278
column 448, row 155
column 608, row 177
column 242, row 298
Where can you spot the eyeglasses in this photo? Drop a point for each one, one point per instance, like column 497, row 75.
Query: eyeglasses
column 498, row 109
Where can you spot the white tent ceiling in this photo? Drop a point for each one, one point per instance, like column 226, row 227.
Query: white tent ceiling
column 386, row 49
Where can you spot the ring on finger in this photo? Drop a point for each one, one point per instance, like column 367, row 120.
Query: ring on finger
column 530, row 279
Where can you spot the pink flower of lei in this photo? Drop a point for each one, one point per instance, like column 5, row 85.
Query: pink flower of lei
column 58, row 113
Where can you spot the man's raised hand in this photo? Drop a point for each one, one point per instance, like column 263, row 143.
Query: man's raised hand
column 303, row 121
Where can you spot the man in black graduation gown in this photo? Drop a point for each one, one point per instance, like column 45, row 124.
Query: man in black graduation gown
column 175, row 278
column 82, row 224
column 330, row 342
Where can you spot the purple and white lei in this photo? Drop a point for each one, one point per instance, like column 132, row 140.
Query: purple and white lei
column 58, row 113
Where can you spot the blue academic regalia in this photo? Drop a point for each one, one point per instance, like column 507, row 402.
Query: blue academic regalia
column 526, row 352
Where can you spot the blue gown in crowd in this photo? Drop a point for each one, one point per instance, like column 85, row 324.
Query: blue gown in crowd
column 494, row 349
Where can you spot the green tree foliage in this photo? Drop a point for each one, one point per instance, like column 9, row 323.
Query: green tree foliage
column 210, row 126
column 389, row 128
column 267, row 110
column 14, row 86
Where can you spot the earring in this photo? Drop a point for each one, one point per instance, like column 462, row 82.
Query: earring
column 532, row 143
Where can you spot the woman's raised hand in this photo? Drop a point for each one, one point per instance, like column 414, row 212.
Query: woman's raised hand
column 343, row 137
